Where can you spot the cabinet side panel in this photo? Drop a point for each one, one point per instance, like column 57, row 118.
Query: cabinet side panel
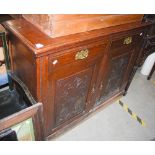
column 23, row 64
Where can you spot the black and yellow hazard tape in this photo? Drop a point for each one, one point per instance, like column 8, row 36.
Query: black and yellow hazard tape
column 133, row 115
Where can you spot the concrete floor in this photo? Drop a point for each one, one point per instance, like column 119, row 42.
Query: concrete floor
column 114, row 123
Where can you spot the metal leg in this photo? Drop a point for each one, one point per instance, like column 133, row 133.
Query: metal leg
column 150, row 75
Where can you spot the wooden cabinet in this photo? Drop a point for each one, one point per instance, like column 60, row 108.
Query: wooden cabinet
column 76, row 74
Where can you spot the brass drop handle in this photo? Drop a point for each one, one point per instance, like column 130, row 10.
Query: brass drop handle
column 127, row 40
column 82, row 54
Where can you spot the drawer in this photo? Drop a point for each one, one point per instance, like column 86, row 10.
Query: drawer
column 127, row 42
column 81, row 54
column 20, row 114
column 24, row 123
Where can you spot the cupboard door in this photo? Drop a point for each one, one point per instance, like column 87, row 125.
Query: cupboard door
column 71, row 88
column 72, row 85
column 116, row 72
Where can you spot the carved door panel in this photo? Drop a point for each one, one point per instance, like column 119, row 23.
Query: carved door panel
column 114, row 76
column 71, row 95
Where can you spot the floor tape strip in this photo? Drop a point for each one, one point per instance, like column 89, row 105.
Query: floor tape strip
column 133, row 115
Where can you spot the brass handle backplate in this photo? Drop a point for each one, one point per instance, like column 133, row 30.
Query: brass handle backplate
column 81, row 54
column 127, row 40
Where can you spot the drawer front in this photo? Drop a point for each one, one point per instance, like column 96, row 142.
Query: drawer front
column 128, row 42
column 81, row 54
column 26, row 123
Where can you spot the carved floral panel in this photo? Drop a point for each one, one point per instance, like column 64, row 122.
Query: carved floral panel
column 71, row 95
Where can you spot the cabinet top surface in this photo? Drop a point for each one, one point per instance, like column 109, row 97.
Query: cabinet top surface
column 40, row 43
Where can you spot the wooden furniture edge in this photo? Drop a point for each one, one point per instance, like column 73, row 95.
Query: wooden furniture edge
column 30, row 112
column 56, row 43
